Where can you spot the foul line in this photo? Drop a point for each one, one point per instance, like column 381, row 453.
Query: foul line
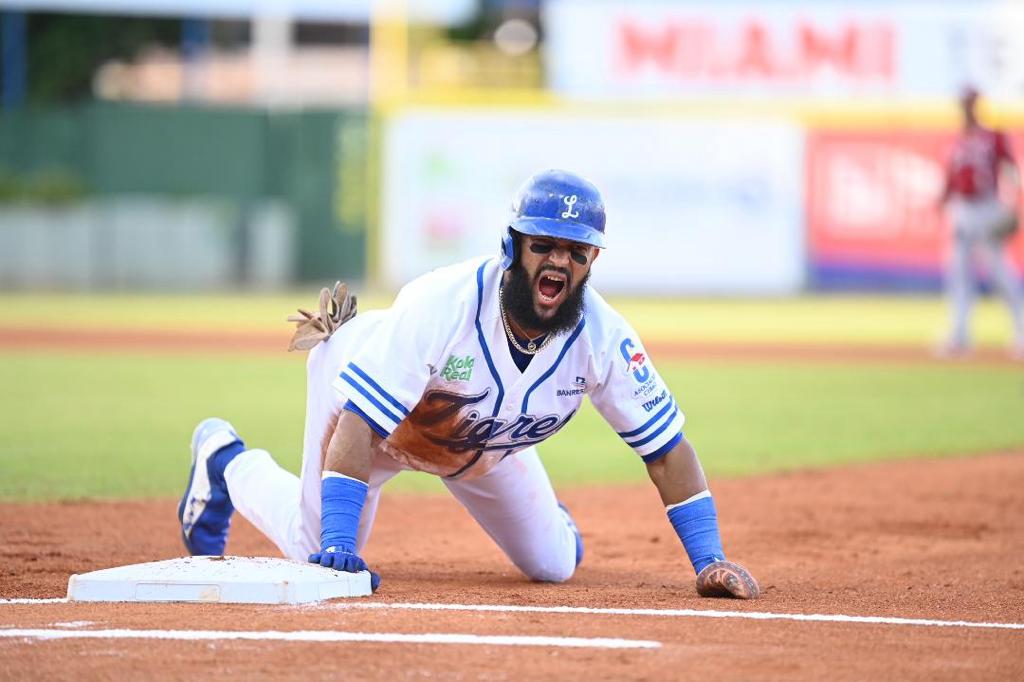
column 660, row 613
column 333, row 636
column 684, row 613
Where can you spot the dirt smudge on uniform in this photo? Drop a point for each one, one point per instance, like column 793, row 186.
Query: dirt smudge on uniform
column 440, row 433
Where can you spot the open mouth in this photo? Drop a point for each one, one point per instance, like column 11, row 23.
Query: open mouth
column 550, row 286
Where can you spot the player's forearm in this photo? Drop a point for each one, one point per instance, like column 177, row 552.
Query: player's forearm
column 350, row 450
column 688, row 503
column 343, row 492
column 678, row 475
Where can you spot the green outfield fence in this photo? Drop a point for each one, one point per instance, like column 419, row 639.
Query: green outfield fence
column 314, row 160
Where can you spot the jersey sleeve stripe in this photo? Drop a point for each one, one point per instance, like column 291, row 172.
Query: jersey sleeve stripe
column 650, row 422
column 551, row 370
column 663, row 450
column 654, row 434
column 372, row 400
column 380, row 391
column 353, row 408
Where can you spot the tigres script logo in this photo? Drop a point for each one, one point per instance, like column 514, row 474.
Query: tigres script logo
column 472, row 431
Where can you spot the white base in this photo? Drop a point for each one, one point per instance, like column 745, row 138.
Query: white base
column 231, row 579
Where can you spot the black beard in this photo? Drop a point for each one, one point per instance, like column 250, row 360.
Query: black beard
column 518, row 295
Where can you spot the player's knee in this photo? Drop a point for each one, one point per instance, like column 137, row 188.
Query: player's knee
column 555, row 567
column 556, row 574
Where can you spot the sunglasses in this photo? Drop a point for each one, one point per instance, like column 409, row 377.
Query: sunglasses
column 580, row 254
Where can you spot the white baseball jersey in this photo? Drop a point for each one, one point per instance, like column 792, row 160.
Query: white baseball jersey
column 433, row 376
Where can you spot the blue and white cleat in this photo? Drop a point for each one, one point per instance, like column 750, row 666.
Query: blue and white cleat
column 205, row 510
column 576, row 531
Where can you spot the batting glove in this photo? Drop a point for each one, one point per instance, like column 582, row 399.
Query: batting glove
column 341, row 559
column 727, row 579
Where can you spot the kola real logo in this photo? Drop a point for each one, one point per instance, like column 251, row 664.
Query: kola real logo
column 456, row 368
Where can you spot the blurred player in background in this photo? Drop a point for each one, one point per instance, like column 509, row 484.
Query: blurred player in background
column 469, row 370
column 980, row 164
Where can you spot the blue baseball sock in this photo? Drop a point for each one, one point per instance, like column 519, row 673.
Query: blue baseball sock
column 210, row 533
column 220, row 460
column 696, row 524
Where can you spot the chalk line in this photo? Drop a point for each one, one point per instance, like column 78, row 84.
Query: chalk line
column 658, row 613
column 680, row 613
column 332, row 636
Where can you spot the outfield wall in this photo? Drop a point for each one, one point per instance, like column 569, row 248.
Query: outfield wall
column 315, row 162
column 872, row 215
column 708, row 196
column 693, row 205
column 697, row 204
column 148, row 242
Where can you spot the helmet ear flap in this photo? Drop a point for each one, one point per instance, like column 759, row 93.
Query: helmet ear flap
column 509, row 245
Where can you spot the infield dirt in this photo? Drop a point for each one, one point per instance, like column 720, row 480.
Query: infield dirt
column 935, row 539
column 228, row 342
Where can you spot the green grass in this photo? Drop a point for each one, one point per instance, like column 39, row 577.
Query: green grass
column 110, row 424
column 115, row 425
column 119, row 426
column 753, row 418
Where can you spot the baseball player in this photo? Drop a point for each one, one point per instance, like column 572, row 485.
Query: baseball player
column 982, row 223
column 471, row 368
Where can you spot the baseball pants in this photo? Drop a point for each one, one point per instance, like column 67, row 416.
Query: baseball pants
column 972, row 237
column 514, row 502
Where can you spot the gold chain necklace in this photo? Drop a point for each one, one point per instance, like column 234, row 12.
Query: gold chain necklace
column 531, row 347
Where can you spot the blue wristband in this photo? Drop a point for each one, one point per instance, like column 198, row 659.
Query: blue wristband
column 696, row 524
column 342, row 501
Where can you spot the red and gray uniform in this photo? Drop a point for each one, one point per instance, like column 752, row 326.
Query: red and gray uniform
column 972, row 185
column 973, row 171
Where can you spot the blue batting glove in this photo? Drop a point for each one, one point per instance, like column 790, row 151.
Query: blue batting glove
column 343, row 559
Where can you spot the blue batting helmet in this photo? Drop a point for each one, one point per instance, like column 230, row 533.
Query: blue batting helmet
column 555, row 203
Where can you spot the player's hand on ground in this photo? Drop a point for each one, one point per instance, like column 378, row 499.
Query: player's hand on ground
column 727, row 579
column 341, row 559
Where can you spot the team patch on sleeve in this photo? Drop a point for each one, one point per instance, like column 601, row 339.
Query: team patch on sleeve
column 638, row 404
column 372, row 400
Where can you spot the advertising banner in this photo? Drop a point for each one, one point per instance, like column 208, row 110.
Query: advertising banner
column 801, row 48
column 872, row 208
column 693, row 206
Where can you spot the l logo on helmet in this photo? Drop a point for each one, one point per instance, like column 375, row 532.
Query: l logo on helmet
column 570, row 201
